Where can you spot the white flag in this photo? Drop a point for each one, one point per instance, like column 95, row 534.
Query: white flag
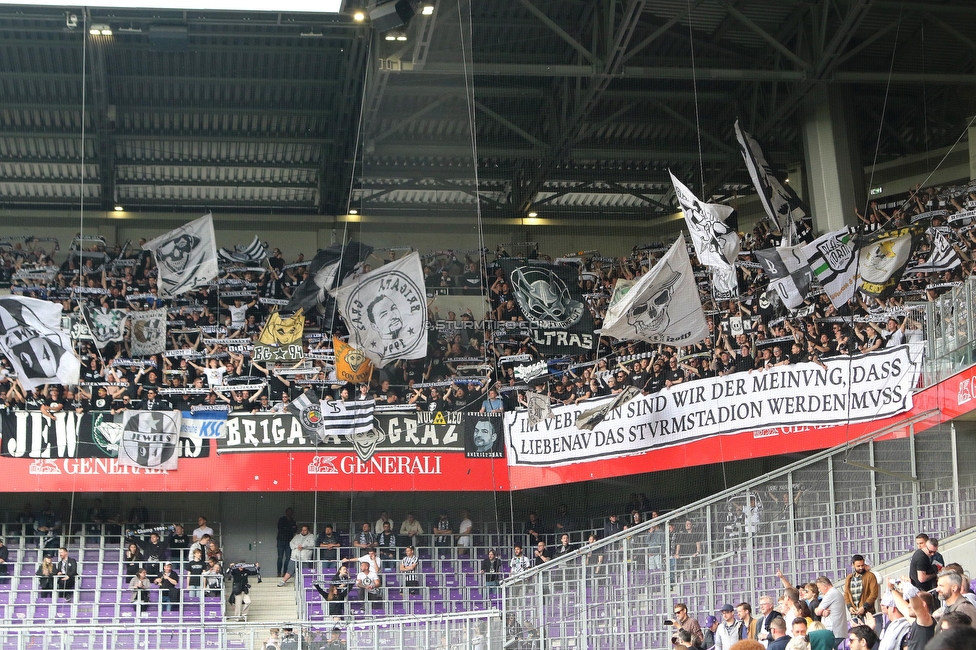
column 38, row 350
column 150, row 439
column 148, row 332
column 186, row 258
column 386, row 311
column 833, row 260
column 716, row 244
column 105, row 325
column 663, row 306
column 538, row 407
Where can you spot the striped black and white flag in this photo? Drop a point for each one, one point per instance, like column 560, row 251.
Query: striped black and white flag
column 788, row 271
column 254, row 253
column 943, row 257
column 347, row 419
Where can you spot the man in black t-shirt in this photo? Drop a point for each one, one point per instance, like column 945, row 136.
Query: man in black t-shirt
column 921, row 571
column 655, row 381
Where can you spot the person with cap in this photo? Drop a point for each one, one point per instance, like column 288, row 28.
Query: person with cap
column 168, row 581
column 708, row 631
column 897, row 628
column 729, row 629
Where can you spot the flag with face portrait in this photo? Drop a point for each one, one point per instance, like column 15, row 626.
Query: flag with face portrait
column 105, row 325
column 663, row 306
column 385, row 311
column 39, row 352
column 186, row 257
column 150, row 439
column 147, row 332
column 782, row 204
column 351, row 364
column 716, row 243
column 281, row 338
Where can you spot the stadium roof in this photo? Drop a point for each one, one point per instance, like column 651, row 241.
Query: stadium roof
column 577, row 104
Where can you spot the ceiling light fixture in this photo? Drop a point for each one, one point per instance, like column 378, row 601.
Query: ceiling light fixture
column 359, row 16
column 99, row 29
column 353, row 211
column 533, row 215
column 428, row 10
column 119, row 208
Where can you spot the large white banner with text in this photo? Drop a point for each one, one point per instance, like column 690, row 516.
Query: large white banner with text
column 845, row 389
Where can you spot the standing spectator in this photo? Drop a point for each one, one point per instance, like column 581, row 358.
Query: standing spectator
column 384, row 516
column 337, row 592
column 729, row 630
column 443, row 533
column 518, row 563
column 684, row 622
column 4, row 556
column 922, row 570
column 302, row 545
column 386, row 544
column 169, row 586
column 950, row 587
column 179, row 543
column 777, row 632
column 287, row 527
column 202, row 529
column 612, row 527
column 465, row 539
column 860, row 588
column 241, row 586
column 408, row 569
column 67, row 569
column 194, row 574
column 831, row 609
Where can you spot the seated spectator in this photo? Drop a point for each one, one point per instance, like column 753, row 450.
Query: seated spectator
column 443, row 533
column 202, row 529
column 411, row 528
column 328, row 544
column 45, row 573
column 139, row 585
column 365, row 539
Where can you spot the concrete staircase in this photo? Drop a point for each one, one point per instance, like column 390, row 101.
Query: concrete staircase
column 271, row 605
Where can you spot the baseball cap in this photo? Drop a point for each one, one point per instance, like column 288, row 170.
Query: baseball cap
column 727, row 608
column 710, row 620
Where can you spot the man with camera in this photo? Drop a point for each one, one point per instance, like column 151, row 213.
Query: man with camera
column 684, row 622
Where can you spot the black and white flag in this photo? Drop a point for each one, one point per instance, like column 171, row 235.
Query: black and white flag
column 943, row 257
column 39, row 352
column 782, row 204
column 663, row 305
column 538, row 407
column 252, row 254
column 788, row 271
column 185, row 257
column 590, row 418
column 105, row 325
column 833, row 259
column 328, row 270
column 307, row 408
column 716, row 243
column 150, row 439
column 147, row 332
column 552, row 304
column 386, row 311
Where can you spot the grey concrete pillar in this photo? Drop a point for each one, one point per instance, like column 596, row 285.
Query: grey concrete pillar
column 835, row 176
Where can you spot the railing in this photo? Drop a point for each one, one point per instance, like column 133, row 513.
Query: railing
column 870, row 496
column 474, row 631
column 950, row 331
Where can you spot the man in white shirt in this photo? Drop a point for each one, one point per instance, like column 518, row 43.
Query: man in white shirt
column 302, row 547
column 202, row 529
column 368, row 582
column 384, row 519
column 464, row 540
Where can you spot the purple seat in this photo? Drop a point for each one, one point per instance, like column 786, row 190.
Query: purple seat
column 212, row 612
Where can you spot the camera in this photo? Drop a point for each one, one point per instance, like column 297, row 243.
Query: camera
column 668, row 621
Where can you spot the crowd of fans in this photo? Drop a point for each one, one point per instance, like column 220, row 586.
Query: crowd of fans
column 748, row 334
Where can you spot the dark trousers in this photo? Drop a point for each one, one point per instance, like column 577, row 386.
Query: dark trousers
column 284, row 554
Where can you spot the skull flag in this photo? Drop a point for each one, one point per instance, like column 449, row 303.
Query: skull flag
column 185, row 257
column 663, row 307
column 550, row 300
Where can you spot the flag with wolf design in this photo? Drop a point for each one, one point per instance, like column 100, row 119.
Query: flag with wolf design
column 186, row 257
